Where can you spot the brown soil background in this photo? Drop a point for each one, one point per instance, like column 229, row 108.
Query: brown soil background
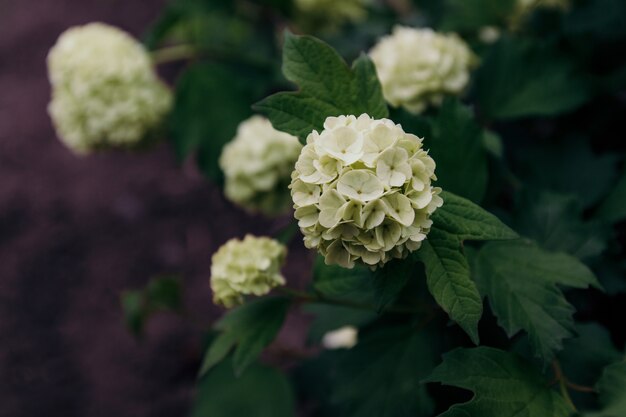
column 75, row 232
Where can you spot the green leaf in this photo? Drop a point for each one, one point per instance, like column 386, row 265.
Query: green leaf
column 390, row 280
column 380, row 376
column 448, row 279
column 612, row 391
column 328, row 87
column 555, row 222
column 613, row 208
column 334, row 280
column 161, row 294
column 520, row 79
column 250, row 328
column 472, row 15
column 330, row 317
column 584, row 357
column 564, row 160
column 468, row 221
column 504, row 385
column 260, row 392
column 456, row 144
column 521, row 281
column 209, row 104
column 600, row 19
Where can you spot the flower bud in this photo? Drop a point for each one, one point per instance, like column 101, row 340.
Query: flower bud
column 343, row 338
column 362, row 191
column 257, row 165
column 105, row 93
column 418, row 67
column 248, row 266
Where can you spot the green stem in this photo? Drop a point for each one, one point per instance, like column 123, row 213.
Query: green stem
column 173, row 53
column 319, row 298
column 558, row 373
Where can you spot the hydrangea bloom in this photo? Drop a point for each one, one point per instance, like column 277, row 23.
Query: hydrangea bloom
column 343, row 338
column 362, row 191
column 329, row 14
column 248, row 266
column 257, row 164
column 418, row 67
column 105, row 93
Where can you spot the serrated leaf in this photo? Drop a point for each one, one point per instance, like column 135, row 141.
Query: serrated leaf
column 613, row 208
column 250, row 328
column 521, row 282
column 468, row 221
column 520, row 79
column 612, row 391
column 328, row 87
column 390, row 280
column 260, row 392
column 504, row 385
column 555, row 222
column 380, row 376
column 448, row 279
column 456, row 143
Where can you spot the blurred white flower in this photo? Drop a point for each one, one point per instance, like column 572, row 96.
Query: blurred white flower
column 257, row 165
column 370, row 199
column 489, row 34
column 105, row 93
column 343, row 338
column 248, row 266
column 418, row 67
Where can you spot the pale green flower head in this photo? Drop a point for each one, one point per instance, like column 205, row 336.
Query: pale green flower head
column 105, row 93
column 419, row 67
column 244, row 267
column 257, row 165
column 362, row 191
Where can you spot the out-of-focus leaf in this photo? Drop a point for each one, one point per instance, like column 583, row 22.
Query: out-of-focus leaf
column 380, row 376
column 602, row 19
column 613, row 208
column 456, row 144
column 519, row 79
column 555, row 222
column 260, row 392
column 472, row 15
column 210, row 103
column 250, row 328
column 612, row 391
column 330, row 317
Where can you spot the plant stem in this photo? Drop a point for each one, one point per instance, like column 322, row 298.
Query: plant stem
column 173, row 53
column 319, row 298
column 558, row 373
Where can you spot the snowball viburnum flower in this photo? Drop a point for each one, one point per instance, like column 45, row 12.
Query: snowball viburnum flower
column 418, row 67
column 343, row 338
column 257, row 164
column 105, row 93
column 362, row 191
column 248, row 266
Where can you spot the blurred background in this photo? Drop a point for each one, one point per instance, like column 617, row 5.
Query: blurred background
column 76, row 232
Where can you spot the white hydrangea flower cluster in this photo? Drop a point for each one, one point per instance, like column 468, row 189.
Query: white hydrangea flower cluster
column 257, row 165
column 329, row 14
column 418, row 67
column 105, row 93
column 248, row 266
column 362, row 191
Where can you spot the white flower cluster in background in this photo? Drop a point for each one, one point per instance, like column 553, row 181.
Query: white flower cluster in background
column 248, row 266
column 329, row 14
column 362, row 191
column 418, row 67
column 257, row 165
column 345, row 337
column 105, row 93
